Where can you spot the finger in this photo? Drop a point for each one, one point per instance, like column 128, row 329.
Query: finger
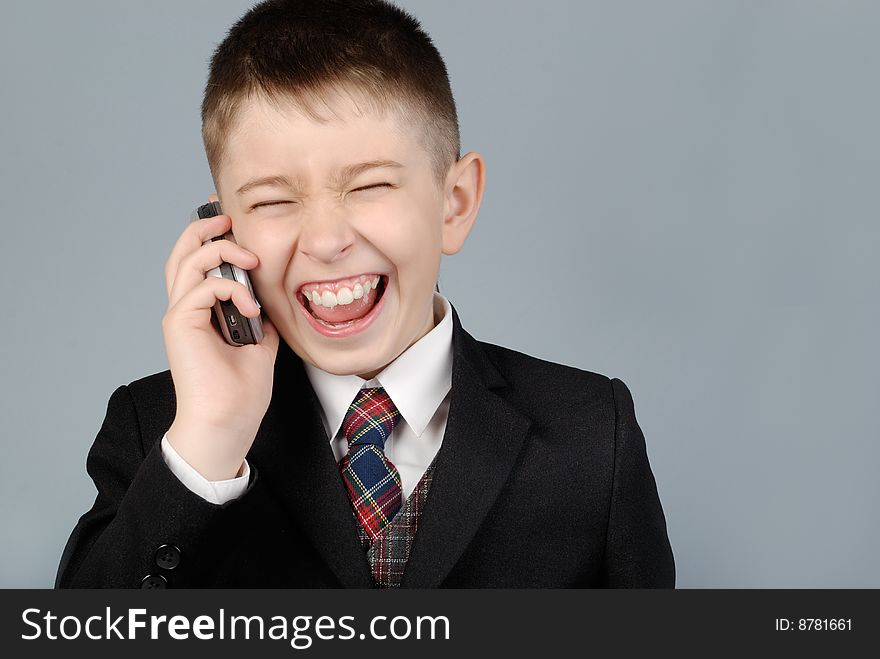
column 213, row 197
column 192, row 239
column 193, row 267
column 270, row 335
column 197, row 302
column 195, row 234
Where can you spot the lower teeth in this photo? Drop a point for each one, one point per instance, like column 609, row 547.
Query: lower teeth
column 335, row 325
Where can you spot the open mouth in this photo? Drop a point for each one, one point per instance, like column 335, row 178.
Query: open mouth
column 345, row 306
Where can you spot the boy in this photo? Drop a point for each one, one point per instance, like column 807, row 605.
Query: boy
column 367, row 440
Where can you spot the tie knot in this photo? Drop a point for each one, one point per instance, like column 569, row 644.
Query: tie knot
column 370, row 418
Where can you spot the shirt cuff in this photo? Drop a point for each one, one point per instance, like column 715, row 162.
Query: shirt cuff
column 218, row 492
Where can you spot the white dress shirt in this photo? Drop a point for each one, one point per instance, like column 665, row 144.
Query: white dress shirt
column 418, row 382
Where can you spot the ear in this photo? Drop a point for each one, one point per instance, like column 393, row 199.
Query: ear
column 464, row 187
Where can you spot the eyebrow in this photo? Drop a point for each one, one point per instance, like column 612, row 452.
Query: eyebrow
column 339, row 178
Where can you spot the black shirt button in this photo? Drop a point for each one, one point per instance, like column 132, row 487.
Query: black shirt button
column 167, row 557
column 154, row 582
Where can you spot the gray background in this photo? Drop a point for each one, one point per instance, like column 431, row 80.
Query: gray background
column 680, row 194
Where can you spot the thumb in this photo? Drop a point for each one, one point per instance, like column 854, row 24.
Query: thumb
column 270, row 336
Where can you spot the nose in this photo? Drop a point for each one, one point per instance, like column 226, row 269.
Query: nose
column 326, row 236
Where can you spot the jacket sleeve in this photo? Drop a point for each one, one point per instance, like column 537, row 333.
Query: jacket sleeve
column 140, row 507
column 637, row 549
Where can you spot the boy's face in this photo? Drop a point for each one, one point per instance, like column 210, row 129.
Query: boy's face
column 317, row 227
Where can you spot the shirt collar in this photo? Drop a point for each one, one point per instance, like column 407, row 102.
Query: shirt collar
column 417, row 381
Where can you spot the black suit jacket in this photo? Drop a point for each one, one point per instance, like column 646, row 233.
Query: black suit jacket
column 542, row 480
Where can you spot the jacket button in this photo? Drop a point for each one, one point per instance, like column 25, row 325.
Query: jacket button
column 167, row 557
column 154, row 582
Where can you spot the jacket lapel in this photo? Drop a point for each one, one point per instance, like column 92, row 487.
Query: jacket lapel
column 293, row 455
column 484, row 434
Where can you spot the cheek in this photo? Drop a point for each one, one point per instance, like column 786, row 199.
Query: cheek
column 405, row 233
column 417, row 268
column 273, row 250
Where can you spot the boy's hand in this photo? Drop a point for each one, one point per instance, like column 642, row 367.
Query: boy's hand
column 222, row 391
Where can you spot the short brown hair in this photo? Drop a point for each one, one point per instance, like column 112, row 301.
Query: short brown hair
column 304, row 50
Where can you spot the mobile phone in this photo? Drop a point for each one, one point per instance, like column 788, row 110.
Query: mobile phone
column 237, row 329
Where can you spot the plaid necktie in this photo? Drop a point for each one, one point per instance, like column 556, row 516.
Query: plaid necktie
column 372, row 481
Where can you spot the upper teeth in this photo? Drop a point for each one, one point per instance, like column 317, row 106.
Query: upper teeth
column 344, row 295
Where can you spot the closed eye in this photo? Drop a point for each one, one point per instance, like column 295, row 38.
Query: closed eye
column 269, row 203
column 366, row 187
column 375, row 185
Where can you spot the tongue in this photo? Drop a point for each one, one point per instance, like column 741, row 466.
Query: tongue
column 342, row 313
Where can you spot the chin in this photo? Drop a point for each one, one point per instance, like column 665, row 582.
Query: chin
column 343, row 366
